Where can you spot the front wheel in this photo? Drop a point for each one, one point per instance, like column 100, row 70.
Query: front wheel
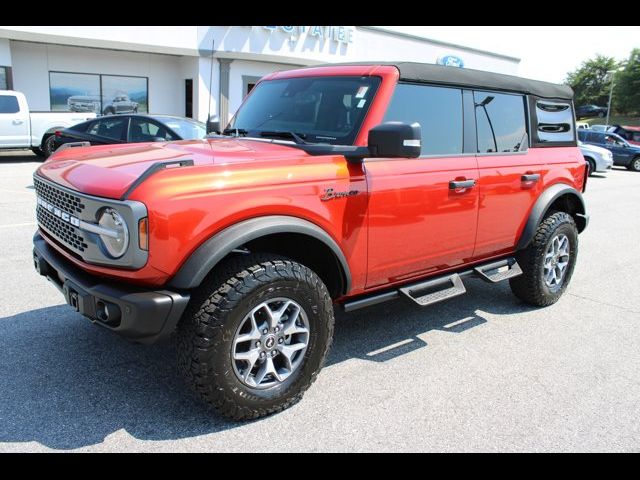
column 255, row 335
column 48, row 146
column 600, row 114
column 592, row 166
column 548, row 262
column 635, row 164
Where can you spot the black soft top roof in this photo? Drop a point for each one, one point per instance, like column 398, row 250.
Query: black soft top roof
column 466, row 77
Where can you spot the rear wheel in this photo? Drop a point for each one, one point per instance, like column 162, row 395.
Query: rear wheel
column 635, row 164
column 600, row 114
column 548, row 262
column 255, row 335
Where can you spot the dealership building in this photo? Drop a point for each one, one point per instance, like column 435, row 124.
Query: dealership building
column 195, row 70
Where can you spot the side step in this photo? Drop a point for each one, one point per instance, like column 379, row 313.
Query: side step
column 436, row 290
column 499, row 271
column 441, row 288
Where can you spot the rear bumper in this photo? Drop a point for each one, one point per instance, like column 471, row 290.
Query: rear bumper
column 139, row 314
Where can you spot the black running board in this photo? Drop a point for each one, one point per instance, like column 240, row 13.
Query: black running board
column 441, row 288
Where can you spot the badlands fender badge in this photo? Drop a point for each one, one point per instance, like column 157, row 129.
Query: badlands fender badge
column 330, row 194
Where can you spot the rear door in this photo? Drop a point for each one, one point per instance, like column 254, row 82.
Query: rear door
column 511, row 175
column 419, row 221
column 14, row 122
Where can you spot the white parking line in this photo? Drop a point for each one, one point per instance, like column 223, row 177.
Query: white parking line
column 18, row 225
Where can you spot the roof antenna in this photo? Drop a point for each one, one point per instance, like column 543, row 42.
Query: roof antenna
column 213, row 42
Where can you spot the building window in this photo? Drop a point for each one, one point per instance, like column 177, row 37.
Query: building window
column 438, row 110
column 102, row 94
column 500, row 120
column 5, row 78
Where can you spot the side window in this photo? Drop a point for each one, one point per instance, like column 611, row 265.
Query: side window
column 438, row 110
column 113, row 128
column 500, row 120
column 555, row 121
column 142, row 130
column 9, row 104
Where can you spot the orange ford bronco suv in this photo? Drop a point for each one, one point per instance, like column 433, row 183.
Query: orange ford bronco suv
column 341, row 185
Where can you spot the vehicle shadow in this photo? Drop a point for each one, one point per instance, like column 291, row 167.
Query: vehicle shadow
column 67, row 384
column 20, row 156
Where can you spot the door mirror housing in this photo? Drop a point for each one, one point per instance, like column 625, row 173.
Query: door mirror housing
column 213, row 125
column 158, row 139
column 395, row 140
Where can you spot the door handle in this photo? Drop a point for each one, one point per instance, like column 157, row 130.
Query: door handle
column 17, row 122
column 456, row 184
column 530, row 177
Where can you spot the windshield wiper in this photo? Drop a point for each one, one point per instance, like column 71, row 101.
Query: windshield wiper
column 297, row 137
column 235, row 132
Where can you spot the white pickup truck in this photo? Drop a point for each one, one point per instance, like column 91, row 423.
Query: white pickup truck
column 20, row 128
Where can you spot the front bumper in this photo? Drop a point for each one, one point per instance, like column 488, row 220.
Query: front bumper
column 139, row 314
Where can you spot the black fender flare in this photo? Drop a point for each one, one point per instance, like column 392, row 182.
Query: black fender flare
column 209, row 253
column 540, row 208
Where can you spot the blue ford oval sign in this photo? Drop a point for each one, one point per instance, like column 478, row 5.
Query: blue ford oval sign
column 451, row 61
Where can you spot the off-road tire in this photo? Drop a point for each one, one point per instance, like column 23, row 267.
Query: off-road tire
column 530, row 287
column 206, row 331
column 634, row 166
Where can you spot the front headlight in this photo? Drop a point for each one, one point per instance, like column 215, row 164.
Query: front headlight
column 115, row 237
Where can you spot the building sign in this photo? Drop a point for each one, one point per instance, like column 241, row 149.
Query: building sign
column 336, row 34
column 102, row 94
column 450, row 61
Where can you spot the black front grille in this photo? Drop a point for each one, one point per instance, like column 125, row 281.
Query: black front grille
column 64, row 201
column 61, row 230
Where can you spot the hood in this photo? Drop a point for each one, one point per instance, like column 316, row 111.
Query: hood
column 594, row 148
column 109, row 170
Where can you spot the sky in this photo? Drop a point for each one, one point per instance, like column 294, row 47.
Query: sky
column 546, row 53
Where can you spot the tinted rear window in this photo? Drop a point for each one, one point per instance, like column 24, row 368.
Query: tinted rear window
column 500, row 120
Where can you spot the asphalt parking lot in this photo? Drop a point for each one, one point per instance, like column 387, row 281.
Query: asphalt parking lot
column 479, row 373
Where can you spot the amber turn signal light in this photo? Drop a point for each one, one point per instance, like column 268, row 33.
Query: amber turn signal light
column 143, row 233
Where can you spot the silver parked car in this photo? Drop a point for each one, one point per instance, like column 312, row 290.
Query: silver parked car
column 599, row 159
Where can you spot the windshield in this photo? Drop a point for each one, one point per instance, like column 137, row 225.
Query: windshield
column 318, row 109
column 187, row 129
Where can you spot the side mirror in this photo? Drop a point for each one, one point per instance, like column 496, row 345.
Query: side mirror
column 213, row 125
column 158, row 139
column 395, row 139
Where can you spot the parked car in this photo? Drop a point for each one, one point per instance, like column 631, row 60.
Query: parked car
column 582, row 125
column 136, row 128
column 120, row 104
column 630, row 134
column 624, row 153
column 590, row 111
column 601, row 128
column 345, row 185
column 599, row 159
column 21, row 128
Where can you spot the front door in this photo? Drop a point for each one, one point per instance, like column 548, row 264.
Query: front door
column 420, row 221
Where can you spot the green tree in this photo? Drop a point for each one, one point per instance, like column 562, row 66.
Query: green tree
column 590, row 81
column 626, row 91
